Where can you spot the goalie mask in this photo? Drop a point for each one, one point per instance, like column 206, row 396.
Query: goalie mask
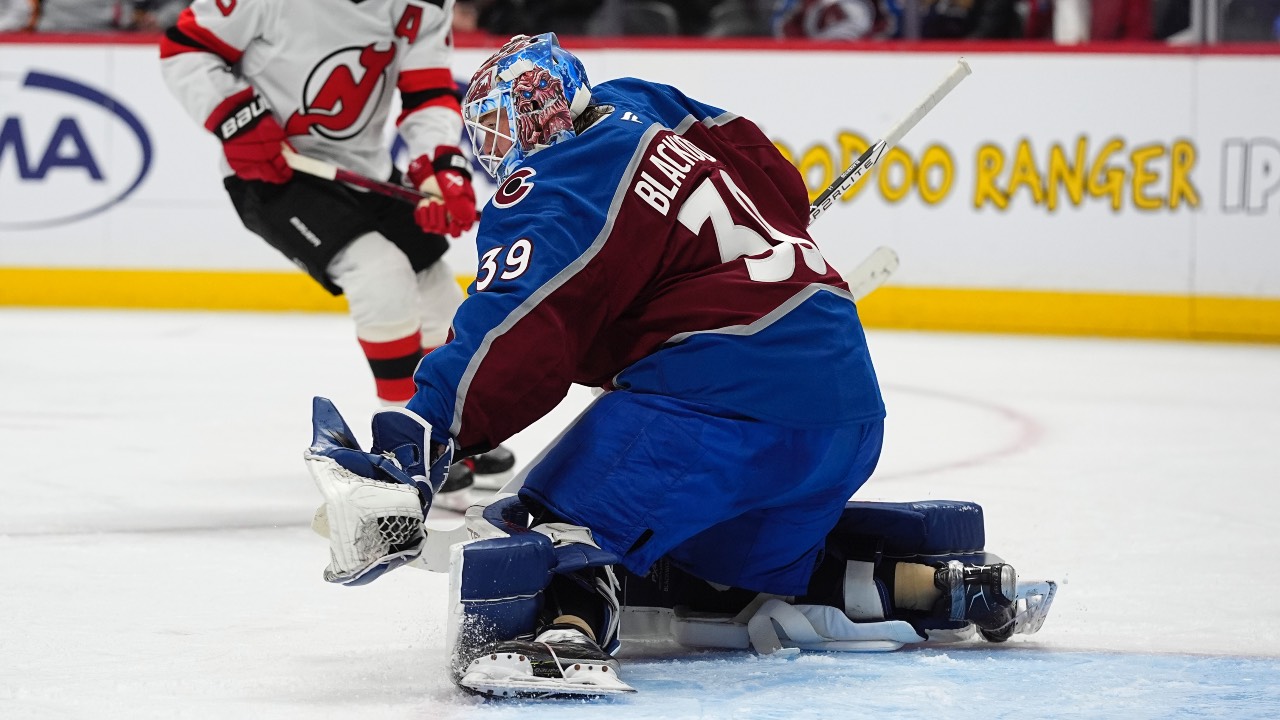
column 523, row 99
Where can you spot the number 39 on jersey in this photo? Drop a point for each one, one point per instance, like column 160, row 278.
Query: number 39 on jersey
column 505, row 263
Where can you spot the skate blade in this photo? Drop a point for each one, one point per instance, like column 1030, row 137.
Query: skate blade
column 1033, row 602
column 492, row 483
column 457, row 501
column 512, row 676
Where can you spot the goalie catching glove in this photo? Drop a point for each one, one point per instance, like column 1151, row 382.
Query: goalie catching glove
column 452, row 210
column 375, row 501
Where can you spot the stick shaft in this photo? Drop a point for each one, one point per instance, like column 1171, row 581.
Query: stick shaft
column 953, row 78
column 329, row 171
column 872, row 155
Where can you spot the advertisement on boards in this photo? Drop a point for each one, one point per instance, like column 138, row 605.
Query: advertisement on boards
column 1104, row 173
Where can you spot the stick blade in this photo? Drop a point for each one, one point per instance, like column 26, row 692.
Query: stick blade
column 872, row 272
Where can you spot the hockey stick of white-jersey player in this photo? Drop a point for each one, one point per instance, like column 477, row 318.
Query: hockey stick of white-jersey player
column 329, row 171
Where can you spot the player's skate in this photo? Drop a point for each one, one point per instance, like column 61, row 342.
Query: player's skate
column 561, row 661
column 990, row 597
column 492, row 469
column 457, row 493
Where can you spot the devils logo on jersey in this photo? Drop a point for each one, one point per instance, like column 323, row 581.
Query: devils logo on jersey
column 343, row 92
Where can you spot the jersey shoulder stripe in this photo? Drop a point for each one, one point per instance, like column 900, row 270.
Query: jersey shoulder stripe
column 187, row 35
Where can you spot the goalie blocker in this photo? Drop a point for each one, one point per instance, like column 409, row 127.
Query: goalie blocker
column 891, row 574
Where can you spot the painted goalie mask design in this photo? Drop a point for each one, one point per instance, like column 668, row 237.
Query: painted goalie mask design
column 522, row 99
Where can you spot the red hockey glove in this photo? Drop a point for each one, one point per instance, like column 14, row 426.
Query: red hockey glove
column 251, row 138
column 448, row 177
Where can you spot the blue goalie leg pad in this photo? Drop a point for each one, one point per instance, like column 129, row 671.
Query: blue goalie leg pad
column 496, row 587
column 913, row 529
column 498, row 584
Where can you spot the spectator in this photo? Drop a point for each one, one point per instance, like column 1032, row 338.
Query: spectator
column 1121, row 20
column 828, row 19
column 465, row 17
column 1170, row 17
column 158, row 15
column 740, row 18
column 85, row 15
column 509, row 17
column 695, row 15
column 970, row 19
column 15, row 15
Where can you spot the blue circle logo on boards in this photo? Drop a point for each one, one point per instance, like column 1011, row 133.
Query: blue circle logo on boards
column 63, row 156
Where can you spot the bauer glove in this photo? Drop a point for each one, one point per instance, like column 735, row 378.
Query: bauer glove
column 453, row 210
column 251, row 138
column 375, row 502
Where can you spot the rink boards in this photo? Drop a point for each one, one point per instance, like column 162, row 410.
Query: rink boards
column 1115, row 193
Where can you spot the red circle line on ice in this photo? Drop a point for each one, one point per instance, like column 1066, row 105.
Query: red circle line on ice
column 1027, row 433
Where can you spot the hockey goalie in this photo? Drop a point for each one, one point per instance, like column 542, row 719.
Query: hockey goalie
column 654, row 247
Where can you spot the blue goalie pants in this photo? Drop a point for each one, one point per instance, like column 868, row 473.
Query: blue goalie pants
column 729, row 499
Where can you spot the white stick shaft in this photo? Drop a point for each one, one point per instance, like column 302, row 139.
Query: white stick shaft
column 953, row 78
column 310, row 166
column 871, row 272
column 872, row 155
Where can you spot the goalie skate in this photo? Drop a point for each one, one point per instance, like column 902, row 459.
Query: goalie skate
column 992, row 598
column 561, row 662
column 1032, row 603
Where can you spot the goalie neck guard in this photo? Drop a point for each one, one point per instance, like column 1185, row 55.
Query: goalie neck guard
column 524, row 98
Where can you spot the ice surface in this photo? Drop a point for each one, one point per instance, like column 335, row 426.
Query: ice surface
column 156, row 561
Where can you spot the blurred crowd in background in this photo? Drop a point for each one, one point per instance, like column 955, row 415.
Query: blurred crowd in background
column 1063, row 21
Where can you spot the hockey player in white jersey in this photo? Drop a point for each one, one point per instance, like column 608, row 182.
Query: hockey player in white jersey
column 263, row 75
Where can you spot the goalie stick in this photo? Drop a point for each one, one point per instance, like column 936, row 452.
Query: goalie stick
column 882, row 262
column 872, row 155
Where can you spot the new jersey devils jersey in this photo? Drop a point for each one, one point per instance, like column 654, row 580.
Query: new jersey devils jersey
column 327, row 68
column 664, row 250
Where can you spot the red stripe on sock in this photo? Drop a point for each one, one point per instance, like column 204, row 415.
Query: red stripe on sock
column 398, row 390
column 391, row 349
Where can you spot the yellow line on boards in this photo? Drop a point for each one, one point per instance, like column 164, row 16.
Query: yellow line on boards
column 167, row 290
column 1007, row 311
column 1073, row 313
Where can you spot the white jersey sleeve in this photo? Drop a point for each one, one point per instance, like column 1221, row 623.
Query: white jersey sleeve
column 199, row 53
column 431, row 114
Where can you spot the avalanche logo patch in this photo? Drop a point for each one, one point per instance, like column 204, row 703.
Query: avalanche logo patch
column 515, row 188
